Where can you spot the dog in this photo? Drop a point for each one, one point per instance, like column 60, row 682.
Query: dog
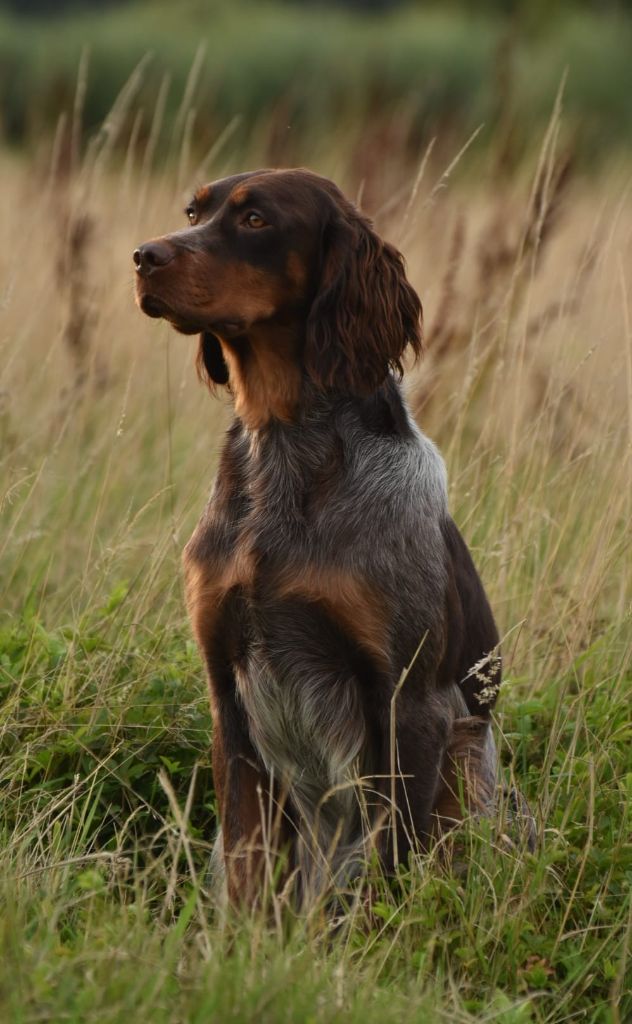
column 351, row 652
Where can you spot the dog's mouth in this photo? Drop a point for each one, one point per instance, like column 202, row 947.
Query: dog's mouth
column 153, row 307
column 157, row 308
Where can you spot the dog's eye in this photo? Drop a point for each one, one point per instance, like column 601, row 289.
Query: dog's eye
column 254, row 220
column 190, row 212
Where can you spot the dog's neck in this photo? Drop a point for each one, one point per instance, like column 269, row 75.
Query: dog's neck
column 264, row 374
column 270, row 386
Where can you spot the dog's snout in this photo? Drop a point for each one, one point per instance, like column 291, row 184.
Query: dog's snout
column 152, row 256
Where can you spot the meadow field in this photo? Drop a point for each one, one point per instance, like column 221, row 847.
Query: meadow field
column 109, row 444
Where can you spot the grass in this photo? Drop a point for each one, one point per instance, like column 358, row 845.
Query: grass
column 107, row 807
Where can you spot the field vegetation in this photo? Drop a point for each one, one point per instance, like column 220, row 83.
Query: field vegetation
column 109, row 444
column 326, row 71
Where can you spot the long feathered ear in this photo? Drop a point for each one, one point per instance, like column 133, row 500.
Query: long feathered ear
column 210, row 364
column 365, row 313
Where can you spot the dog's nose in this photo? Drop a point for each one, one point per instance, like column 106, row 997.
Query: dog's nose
column 152, row 256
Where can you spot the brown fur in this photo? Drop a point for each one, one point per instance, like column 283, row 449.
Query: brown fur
column 204, row 195
column 207, row 585
column 362, row 315
column 239, row 195
column 348, row 600
column 467, row 783
column 305, row 316
column 365, row 313
column 264, row 377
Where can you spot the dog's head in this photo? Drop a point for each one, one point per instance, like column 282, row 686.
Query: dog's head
column 284, row 250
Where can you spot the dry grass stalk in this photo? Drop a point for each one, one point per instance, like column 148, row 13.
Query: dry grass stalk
column 505, row 262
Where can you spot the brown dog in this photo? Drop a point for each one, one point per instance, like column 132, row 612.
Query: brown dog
column 351, row 651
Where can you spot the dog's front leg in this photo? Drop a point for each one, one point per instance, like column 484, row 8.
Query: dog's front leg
column 250, row 808
column 413, row 732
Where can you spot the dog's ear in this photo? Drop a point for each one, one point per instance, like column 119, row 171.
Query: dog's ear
column 365, row 313
column 210, row 364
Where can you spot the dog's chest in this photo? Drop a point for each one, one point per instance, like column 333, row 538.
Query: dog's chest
column 264, row 604
column 307, row 725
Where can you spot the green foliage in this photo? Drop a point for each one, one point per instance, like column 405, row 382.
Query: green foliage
column 311, row 70
column 93, row 710
column 87, row 725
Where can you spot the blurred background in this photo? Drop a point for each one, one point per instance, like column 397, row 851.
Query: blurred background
column 303, row 76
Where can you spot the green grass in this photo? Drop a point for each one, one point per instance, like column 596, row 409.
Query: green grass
column 301, row 70
column 107, row 910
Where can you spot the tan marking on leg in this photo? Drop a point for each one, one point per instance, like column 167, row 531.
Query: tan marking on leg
column 206, row 586
column 255, row 829
column 468, row 773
